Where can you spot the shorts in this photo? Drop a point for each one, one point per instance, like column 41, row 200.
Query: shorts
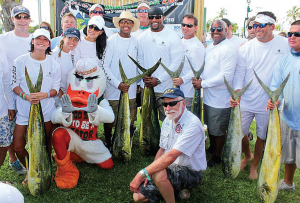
column 181, row 177
column 22, row 120
column 160, row 107
column 5, row 132
column 92, row 151
column 262, row 121
column 115, row 106
column 290, row 142
column 216, row 119
column 189, row 102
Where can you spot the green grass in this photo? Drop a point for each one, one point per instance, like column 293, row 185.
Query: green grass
column 98, row 185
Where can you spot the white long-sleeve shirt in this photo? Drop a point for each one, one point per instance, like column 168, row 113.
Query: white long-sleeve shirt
column 118, row 49
column 261, row 58
column 166, row 45
column 220, row 61
column 195, row 52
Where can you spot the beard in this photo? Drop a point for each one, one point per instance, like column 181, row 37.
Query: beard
column 173, row 114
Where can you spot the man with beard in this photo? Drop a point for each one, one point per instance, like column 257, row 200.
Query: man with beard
column 153, row 44
column 180, row 159
column 220, row 62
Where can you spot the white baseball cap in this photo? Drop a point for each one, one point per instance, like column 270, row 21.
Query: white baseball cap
column 96, row 6
column 98, row 21
column 41, row 32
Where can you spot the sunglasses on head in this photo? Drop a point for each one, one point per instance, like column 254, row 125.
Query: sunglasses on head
column 213, row 29
column 95, row 12
column 143, row 10
column 45, row 27
column 171, row 104
column 19, row 17
column 296, row 34
column 250, row 27
column 261, row 25
column 125, row 21
column 94, row 27
column 151, row 17
column 187, row 25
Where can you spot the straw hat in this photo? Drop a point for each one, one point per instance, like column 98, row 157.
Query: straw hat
column 129, row 16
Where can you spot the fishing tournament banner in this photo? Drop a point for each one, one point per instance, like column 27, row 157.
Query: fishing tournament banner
column 174, row 10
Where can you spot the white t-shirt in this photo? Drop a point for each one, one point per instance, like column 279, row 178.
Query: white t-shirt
column 66, row 65
column 166, row 45
column 195, row 52
column 220, row 61
column 260, row 57
column 138, row 32
column 118, row 49
column 51, row 80
column 237, row 41
column 5, row 86
column 14, row 46
column 186, row 136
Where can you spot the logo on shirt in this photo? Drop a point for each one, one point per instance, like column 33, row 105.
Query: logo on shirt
column 178, row 128
column 278, row 51
column 49, row 74
column 163, row 43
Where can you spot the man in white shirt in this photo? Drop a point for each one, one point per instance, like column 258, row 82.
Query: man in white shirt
column 220, row 62
column 97, row 10
column 119, row 46
column 142, row 15
column 16, row 43
column 236, row 41
column 260, row 55
column 68, row 20
column 195, row 52
column 155, row 43
column 180, row 159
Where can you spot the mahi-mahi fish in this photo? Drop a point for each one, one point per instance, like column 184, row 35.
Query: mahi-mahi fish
column 233, row 145
column 197, row 101
column 122, row 142
column 268, row 176
column 150, row 128
column 39, row 166
column 174, row 74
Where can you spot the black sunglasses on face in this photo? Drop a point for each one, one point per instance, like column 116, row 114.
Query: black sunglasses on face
column 151, row 17
column 296, row 34
column 19, row 17
column 261, row 25
column 213, row 29
column 250, row 27
column 94, row 27
column 95, row 12
column 171, row 104
column 44, row 27
column 126, row 21
column 187, row 25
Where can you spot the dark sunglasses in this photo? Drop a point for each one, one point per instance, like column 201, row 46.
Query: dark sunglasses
column 213, row 29
column 157, row 17
column 187, row 25
column 95, row 12
column 261, row 25
column 126, row 21
column 94, row 27
column 250, row 27
column 296, row 34
column 19, row 17
column 143, row 10
column 171, row 104
column 44, row 27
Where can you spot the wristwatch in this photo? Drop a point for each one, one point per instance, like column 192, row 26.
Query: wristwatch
column 158, row 81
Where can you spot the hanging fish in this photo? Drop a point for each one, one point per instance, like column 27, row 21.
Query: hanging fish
column 175, row 74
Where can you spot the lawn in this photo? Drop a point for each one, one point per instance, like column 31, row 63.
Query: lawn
column 97, row 185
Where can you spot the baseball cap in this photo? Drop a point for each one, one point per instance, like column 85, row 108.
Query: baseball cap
column 19, row 9
column 96, row 6
column 98, row 21
column 41, row 32
column 143, row 4
column 72, row 32
column 156, row 11
column 172, row 93
column 10, row 194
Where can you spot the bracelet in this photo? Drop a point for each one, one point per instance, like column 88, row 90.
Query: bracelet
column 21, row 93
column 147, row 175
column 24, row 96
column 142, row 173
column 203, row 42
column 49, row 94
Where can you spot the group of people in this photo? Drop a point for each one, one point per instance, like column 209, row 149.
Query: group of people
column 181, row 157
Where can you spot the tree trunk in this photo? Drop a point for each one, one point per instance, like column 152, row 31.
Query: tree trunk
column 6, row 6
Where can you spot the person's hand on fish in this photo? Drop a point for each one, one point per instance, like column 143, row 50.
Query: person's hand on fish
column 177, row 82
column 196, row 83
column 270, row 105
column 123, row 87
column 150, row 81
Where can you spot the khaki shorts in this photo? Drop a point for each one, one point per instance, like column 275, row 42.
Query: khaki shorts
column 290, row 142
column 115, row 106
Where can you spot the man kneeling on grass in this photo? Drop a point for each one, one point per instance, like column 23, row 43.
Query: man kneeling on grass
column 180, row 159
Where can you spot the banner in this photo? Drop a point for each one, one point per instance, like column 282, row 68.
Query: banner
column 174, row 10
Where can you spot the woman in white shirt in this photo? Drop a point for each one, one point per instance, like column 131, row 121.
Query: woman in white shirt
column 94, row 43
column 37, row 57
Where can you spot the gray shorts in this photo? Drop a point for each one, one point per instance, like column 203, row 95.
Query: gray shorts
column 216, row 119
column 5, row 132
column 189, row 101
column 181, row 177
column 290, row 141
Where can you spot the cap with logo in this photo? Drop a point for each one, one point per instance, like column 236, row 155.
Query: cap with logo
column 72, row 32
column 172, row 93
column 19, row 9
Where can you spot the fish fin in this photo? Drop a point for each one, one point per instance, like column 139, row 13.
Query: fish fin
column 138, row 65
column 123, row 75
column 26, row 161
column 136, row 78
column 153, row 68
column 178, row 71
column 39, row 82
column 171, row 73
column 196, row 73
column 231, row 91
column 240, row 93
column 29, row 82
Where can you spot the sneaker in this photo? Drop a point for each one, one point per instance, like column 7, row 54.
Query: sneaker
column 17, row 167
column 284, row 186
column 184, row 194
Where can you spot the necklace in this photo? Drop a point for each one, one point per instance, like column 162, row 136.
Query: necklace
column 153, row 39
column 126, row 41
